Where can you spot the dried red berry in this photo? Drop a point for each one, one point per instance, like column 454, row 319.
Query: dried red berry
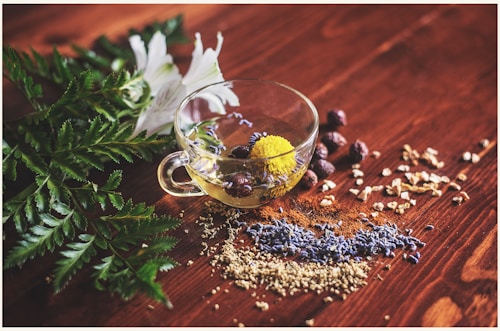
column 336, row 118
column 309, row 179
column 320, row 151
column 333, row 140
column 322, row 168
column 240, row 152
column 238, row 185
column 358, row 151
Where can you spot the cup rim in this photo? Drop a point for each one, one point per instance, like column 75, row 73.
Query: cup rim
column 200, row 151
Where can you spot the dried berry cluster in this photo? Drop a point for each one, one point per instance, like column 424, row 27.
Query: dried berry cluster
column 329, row 143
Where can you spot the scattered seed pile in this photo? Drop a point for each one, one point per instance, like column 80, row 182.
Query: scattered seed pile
column 251, row 267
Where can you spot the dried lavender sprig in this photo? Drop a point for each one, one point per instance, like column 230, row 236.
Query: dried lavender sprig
column 287, row 239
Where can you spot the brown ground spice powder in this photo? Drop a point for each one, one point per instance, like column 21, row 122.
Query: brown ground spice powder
column 306, row 211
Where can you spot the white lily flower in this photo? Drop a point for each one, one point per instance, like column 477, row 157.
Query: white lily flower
column 169, row 88
column 157, row 66
column 204, row 70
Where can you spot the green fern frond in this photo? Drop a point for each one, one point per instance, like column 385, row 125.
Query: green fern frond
column 75, row 257
column 60, row 145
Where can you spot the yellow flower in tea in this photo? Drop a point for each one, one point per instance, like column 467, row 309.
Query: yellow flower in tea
column 269, row 146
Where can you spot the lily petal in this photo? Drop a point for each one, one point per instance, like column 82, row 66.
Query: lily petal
column 139, row 50
column 159, row 116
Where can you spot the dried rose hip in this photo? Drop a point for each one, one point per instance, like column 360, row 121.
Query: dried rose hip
column 336, row 118
column 333, row 140
column 240, row 152
column 320, row 151
column 358, row 151
column 238, row 186
column 309, row 179
column 322, row 168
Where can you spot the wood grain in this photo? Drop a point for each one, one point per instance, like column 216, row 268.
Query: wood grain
column 424, row 75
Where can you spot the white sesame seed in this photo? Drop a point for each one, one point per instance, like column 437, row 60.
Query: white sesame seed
column 467, row 156
column 326, row 202
column 484, row 143
column 386, row 172
column 354, row 191
column 357, row 173
column 330, row 184
column 403, row 168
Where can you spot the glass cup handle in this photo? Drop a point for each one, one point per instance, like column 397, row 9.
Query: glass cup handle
column 166, row 169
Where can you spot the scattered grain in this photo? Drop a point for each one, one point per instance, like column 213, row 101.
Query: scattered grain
column 189, row 263
column 403, row 168
column 326, row 202
column 262, row 305
column 359, row 181
column 354, row 191
column 462, row 177
column 475, row 158
column 465, row 195
column 310, row 322
column 386, row 172
column 467, row 156
column 150, row 307
column 357, row 173
column 363, row 195
column 392, row 205
column 376, row 154
column 378, row 206
column 455, row 186
column 216, row 306
column 484, row 143
column 328, row 299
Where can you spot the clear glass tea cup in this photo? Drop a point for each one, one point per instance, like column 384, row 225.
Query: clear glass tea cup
column 243, row 152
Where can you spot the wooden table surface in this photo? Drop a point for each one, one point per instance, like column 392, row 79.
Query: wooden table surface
column 423, row 75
